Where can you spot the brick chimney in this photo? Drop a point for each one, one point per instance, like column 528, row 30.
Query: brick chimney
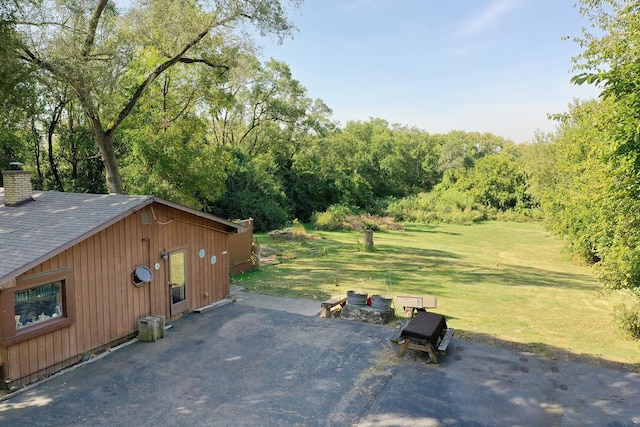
column 17, row 187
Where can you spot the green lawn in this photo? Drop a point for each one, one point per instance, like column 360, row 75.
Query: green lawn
column 503, row 283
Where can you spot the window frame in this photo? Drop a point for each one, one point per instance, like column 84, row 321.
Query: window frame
column 9, row 334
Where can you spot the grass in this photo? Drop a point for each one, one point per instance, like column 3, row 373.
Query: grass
column 498, row 282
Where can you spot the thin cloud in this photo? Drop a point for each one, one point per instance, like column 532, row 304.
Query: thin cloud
column 487, row 18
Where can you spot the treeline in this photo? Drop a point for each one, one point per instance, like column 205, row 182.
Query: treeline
column 170, row 98
column 277, row 165
column 213, row 127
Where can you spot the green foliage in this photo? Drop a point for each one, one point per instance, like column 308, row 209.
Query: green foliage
column 307, row 193
column 107, row 59
column 326, row 221
column 13, row 147
column 251, row 191
column 628, row 319
column 17, row 84
column 593, row 192
column 175, row 167
column 496, row 182
column 343, row 217
column 595, row 201
column 333, row 218
column 365, row 162
column 265, row 211
column 443, row 205
column 17, row 96
column 519, row 215
column 167, row 151
column 265, row 114
column 481, row 179
column 575, row 181
column 460, row 150
column 499, row 182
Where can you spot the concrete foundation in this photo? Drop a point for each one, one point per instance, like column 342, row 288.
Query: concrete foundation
column 151, row 328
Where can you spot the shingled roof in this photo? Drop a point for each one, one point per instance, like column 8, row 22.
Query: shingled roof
column 53, row 222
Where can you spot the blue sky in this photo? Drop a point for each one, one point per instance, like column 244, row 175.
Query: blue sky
column 494, row 66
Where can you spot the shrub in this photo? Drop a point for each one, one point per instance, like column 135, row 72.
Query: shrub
column 325, row 221
column 293, row 231
column 628, row 318
column 339, row 217
column 520, row 215
column 449, row 206
column 298, row 230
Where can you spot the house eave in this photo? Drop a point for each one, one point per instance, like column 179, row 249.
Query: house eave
column 232, row 227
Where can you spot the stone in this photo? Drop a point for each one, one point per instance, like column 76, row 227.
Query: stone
column 367, row 314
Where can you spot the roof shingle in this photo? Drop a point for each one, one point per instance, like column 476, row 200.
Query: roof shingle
column 29, row 233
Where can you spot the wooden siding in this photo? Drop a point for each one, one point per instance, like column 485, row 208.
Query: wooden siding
column 107, row 304
column 240, row 249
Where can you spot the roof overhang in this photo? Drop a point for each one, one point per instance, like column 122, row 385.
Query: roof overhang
column 231, row 227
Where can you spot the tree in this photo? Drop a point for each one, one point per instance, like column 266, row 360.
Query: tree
column 252, row 191
column 17, row 96
column 497, row 181
column 581, row 197
column 263, row 116
column 609, row 60
column 411, row 164
column 461, row 149
column 110, row 59
column 166, row 151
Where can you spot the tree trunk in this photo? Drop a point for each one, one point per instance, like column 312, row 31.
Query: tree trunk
column 104, row 140
column 55, row 118
column 368, row 238
column 36, row 151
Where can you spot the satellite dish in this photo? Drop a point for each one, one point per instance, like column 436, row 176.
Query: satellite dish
column 141, row 275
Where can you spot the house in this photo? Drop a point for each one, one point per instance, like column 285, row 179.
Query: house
column 78, row 271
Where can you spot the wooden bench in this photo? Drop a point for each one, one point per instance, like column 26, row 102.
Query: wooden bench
column 442, row 347
column 411, row 304
column 332, row 305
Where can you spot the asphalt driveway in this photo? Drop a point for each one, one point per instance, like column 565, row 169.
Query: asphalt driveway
column 244, row 365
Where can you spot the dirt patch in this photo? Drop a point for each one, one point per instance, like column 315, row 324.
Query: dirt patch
column 268, row 256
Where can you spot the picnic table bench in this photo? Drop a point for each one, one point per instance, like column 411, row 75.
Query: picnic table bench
column 411, row 304
column 332, row 305
column 426, row 332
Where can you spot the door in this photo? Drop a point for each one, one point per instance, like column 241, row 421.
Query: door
column 178, row 282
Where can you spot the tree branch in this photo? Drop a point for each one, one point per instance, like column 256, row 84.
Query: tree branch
column 159, row 70
column 203, row 61
column 93, row 25
column 31, row 57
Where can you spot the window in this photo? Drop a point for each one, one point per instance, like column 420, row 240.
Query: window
column 39, row 303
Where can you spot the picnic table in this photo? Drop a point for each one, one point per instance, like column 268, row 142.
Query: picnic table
column 426, row 332
column 411, row 304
